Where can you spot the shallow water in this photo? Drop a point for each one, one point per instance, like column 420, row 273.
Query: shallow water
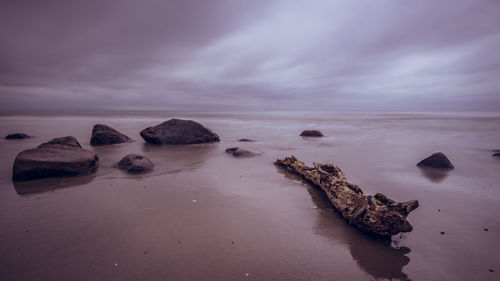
column 205, row 215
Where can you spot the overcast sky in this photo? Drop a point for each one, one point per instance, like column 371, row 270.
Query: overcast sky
column 259, row 54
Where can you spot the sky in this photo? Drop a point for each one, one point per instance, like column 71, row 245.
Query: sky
column 259, row 54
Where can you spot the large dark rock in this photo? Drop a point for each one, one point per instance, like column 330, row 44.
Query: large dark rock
column 437, row 160
column 60, row 157
column 177, row 131
column 68, row 141
column 16, row 136
column 240, row 152
column 135, row 164
column 104, row 135
column 311, row 133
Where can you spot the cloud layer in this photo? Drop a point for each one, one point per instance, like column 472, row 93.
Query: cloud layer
column 384, row 54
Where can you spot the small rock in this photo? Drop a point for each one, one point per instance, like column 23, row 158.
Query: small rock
column 105, row 135
column 17, row 136
column 135, row 164
column 485, row 229
column 245, row 140
column 443, row 233
column 497, row 154
column 311, row 133
column 491, row 270
column 437, row 160
column 240, row 152
column 439, row 210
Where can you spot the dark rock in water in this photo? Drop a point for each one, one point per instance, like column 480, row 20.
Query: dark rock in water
column 311, row 133
column 437, row 160
column 60, row 157
column 68, row 141
column 17, row 136
column 104, row 135
column 245, row 140
column 443, row 233
column 239, row 152
column 135, row 164
column 497, row 154
column 177, row 131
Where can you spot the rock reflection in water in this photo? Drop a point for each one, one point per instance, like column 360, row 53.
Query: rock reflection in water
column 179, row 157
column 49, row 184
column 434, row 175
column 375, row 256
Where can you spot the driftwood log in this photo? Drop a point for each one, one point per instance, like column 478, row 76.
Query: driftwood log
column 377, row 215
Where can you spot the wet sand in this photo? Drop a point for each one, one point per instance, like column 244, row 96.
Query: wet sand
column 205, row 215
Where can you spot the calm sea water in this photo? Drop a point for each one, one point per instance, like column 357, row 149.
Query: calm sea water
column 204, row 215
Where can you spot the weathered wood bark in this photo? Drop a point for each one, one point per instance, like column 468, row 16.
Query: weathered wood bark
column 376, row 214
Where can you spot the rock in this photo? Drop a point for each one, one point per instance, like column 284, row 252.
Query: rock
column 443, row 233
column 240, row 152
column 497, row 154
column 135, row 164
column 60, row 157
column 104, row 135
column 177, row 131
column 437, row 160
column 377, row 215
column 68, row 141
column 17, row 136
column 245, row 140
column 311, row 133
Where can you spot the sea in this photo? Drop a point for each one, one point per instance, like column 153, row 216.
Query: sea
column 203, row 214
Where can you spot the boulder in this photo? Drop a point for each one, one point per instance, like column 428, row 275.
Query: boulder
column 60, row 157
column 135, row 164
column 68, row 141
column 240, row 152
column 16, row 136
column 104, row 135
column 311, row 133
column 437, row 160
column 177, row 131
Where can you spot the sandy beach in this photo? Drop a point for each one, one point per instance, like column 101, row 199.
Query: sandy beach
column 203, row 214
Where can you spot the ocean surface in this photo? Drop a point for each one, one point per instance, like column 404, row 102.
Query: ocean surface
column 205, row 215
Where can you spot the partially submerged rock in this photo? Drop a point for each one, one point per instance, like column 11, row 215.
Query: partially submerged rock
column 245, row 140
column 177, row 131
column 496, row 152
column 104, row 135
column 60, row 157
column 240, row 152
column 438, row 161
column 136, row 164
column 68, row 141
column 377, row 215
column 311, row 133
column 17, row 136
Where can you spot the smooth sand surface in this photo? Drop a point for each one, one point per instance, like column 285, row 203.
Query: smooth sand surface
column 205, row 215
